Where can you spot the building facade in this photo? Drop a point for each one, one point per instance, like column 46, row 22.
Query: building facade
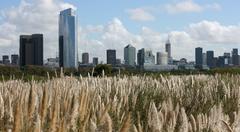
column 111, row 57
column 162, row 58
column 140, row 57
column 68, row 39
column 235, row 57
column 149, row 58
column 85, row 58
column 31, row 50
column 210, row 59
column 5, row 60
column 169, row 51
column 14, row 59
column 199, row 57
column 95, row 61
column 130, row 55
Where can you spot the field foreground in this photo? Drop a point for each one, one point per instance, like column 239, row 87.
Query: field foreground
column 136, row 104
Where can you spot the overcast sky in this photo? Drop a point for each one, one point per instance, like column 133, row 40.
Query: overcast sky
column 104, row 24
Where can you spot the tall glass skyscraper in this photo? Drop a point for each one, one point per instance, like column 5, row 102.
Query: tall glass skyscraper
column 68, row 39
column 130, row 55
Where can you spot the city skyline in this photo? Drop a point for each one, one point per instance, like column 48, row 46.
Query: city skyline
column 206, row 24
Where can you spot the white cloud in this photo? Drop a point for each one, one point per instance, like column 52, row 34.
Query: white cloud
column 29, row 17
column 189, row 6
column 140, row 14
column 214, row 32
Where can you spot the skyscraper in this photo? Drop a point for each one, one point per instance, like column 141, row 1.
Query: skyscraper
column 149, row 58
column 199, row 57
column 95, row 61
column 68, row 39
column 162, row 58
column 14, row 59
column 130, row 55
column 168, row 50
column 5, row 59
column 85, row 58
column 204, row 59
column 210, row 59
column 235, row 57
column 111, row 57
column 31, row 50
column 140, row 57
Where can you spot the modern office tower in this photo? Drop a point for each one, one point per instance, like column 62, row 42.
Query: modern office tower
column 198, row 57
column 5, row 59
column 210, row 59
column 68, row 39
column 111, row 57
column 220, row 61
column 168, row 50
column 130, row 55
column 204, row 55
column 31, row 50
column 14, row 59
column 95, row 61
column 149, row 58
column 118, row 62
column 140, row 57
column 227, row 58
column 162, row 58
column 235, row 57
column 85, row 58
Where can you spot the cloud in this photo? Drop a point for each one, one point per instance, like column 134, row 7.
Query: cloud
column 140, row 14
column 214, row 32
column 207, row 34
column 29, row 17
column 187, row 6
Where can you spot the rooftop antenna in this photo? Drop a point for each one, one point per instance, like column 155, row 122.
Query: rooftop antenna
column 168, row 40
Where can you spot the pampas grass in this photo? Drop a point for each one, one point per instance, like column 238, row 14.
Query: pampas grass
column 168, row 103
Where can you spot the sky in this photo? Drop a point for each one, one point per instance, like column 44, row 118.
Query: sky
column 112, row 24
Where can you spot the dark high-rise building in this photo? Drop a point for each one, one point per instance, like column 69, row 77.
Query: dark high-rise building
column 140, row 57
column 6, row 60
column 85, row 58
column 31, row 50
column 168, row 50
column 199, row 57
column 95, row 61
column 14, row 59
column 111, row 57
column 210, row 59
column 118, row 62
column 227, row 57
column 221, row 61
column 235, row 57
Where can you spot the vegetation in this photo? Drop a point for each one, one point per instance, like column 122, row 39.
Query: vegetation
column 170, row 103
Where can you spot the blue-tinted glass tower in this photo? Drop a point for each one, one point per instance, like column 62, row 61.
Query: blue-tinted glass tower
column 68, row 39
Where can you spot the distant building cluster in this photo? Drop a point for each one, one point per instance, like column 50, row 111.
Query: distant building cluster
column 31, row 53
column 207, row 60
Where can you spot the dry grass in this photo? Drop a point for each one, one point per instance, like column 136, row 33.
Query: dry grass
column 139, row 104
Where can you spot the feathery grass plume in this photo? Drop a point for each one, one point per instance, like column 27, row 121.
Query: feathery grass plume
column 193, row 123
column 140, row 129
column 17, row 126
column 228, row 128
column 183, row 121
column 1, row 106
column 37, row 126
column 92, row 126
column 43, row 109
column 153, row 119
column 126, row 124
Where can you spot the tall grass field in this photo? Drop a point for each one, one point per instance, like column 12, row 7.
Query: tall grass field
column 194, row 103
